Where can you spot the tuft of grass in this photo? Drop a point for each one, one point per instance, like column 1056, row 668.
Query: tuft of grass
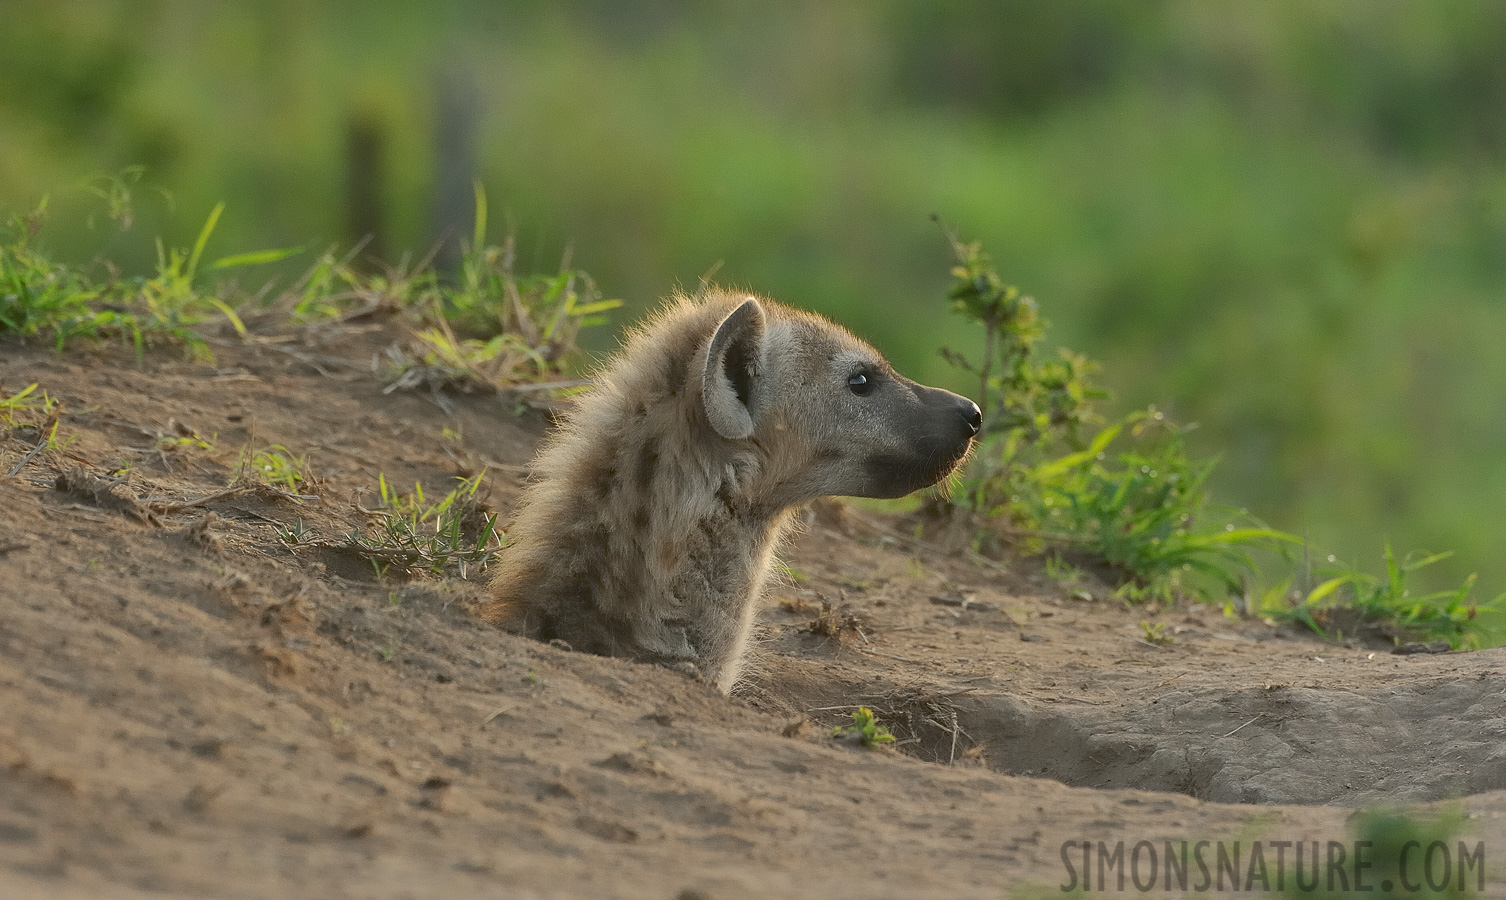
column 491, row 328
column 296, row 536
column 436, row 359
column 1145, row 512
column 182, row 437
column 494, row 328
column 42, row 298
column 275, row 465
column 1352, row 599
column 454, row 534
column 27, row 404
column 1156, row 633
column 865, row 728
column 1058, row 569
column 33, row 418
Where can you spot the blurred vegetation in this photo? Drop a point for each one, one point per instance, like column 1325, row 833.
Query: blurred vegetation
column 1134, row 505
column 1142, row 513
column 1283, row 221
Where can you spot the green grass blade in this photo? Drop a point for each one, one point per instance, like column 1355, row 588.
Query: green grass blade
column 254, row 258
column 1071, row 461
column 1414, row 565
column 1326, row 588
column 478, row 228
column 204, row 233
column 1243, row 535
column 223, row 307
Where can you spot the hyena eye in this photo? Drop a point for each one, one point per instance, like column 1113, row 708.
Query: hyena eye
column 860, row 384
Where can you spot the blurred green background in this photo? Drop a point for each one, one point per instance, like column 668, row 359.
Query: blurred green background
column 1282, row 220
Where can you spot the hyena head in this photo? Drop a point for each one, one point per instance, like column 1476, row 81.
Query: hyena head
column 830, row 415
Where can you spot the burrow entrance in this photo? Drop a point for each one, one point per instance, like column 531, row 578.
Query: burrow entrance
column 1432, row 739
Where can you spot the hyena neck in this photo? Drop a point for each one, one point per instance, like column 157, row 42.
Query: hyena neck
column 660, row 538
column 693, row 527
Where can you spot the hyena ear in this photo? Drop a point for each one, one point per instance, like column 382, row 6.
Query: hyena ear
column 734, row 358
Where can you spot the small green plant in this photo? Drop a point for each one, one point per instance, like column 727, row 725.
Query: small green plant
column 1058, row 569
column 1156, row 633
column 1145, row 512
column 437, row 359
column 1020, row 396
column 186, row 439
column 28, row 404
column 1048, row 470
column 40, row 297
column 32, row 417
column 865, row 728
column 295, row 536
column 333, row 288
column 275, row 465
column 1350, row 598
column 456, row 533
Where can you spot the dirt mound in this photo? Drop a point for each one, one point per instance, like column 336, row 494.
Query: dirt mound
column 195, row 706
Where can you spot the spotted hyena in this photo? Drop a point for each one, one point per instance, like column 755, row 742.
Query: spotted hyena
column 655, row 510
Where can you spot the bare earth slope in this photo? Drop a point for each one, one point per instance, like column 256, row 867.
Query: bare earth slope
column 190, row 709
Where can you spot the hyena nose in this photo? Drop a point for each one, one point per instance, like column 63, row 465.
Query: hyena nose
column 972, row 416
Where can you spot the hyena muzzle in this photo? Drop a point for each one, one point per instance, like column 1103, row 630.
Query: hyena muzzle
column 655, row 509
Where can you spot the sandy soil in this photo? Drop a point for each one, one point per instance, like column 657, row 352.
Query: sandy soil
column 190, row 709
